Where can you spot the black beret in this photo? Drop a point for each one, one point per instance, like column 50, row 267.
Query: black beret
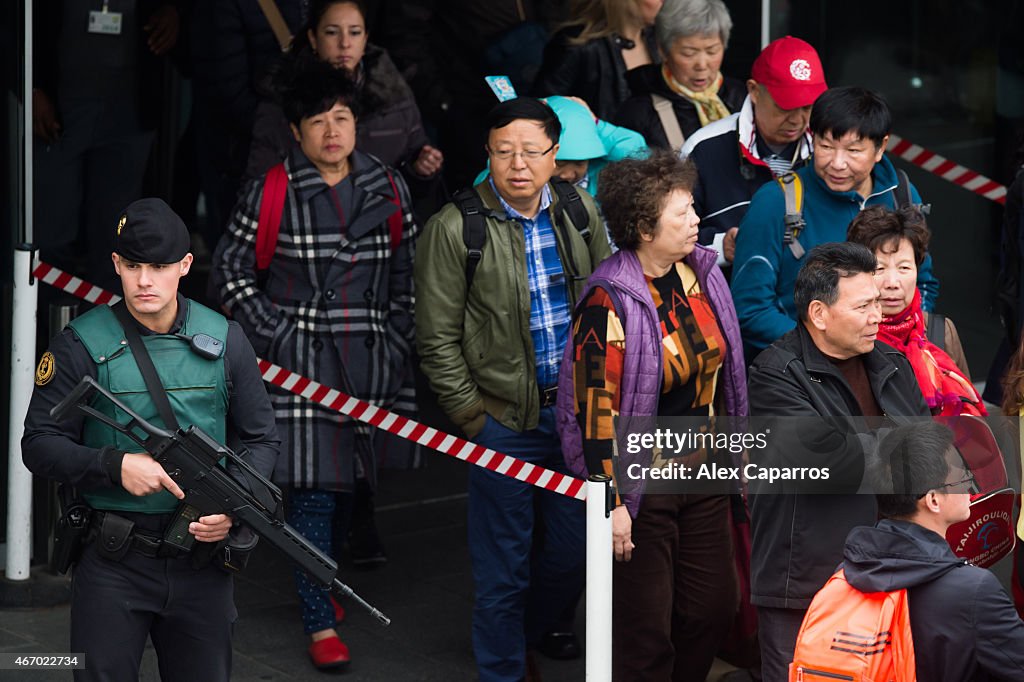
column 150, row 232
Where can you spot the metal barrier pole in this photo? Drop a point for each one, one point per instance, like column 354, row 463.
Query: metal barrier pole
column 19, row 479
column 599, row 578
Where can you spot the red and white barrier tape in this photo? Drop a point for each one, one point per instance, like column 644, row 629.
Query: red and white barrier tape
column 946, row 169
column 56, row 277
column 335, row 400
column 404, row 427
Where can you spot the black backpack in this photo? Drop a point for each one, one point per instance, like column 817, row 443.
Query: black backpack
column 474, row 230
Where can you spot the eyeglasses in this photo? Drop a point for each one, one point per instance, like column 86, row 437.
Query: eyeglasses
column 527, row 154
column 967, row 484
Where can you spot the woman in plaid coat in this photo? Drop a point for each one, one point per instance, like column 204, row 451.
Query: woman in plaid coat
column 335, row 305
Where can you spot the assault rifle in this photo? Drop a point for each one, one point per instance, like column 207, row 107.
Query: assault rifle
column 194, row 461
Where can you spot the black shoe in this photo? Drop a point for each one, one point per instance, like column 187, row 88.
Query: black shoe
column 367, row 559
column 560, row 646
column 365, row 550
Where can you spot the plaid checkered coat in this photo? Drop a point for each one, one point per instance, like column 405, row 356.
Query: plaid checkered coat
column 336, row 305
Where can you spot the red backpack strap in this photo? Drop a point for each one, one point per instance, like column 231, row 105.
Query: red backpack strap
column 395, row 219
column 275, row 189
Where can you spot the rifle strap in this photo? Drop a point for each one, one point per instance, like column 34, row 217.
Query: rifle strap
column 156, row 389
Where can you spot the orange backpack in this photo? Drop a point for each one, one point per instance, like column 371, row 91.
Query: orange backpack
column 851, row 635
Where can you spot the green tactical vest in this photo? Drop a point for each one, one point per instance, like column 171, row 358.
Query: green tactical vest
column 196, row 389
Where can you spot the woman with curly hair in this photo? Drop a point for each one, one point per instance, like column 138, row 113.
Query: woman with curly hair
column 655, row 336
column 899, row 240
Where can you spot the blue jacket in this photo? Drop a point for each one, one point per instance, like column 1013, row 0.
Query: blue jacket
column 764, row 272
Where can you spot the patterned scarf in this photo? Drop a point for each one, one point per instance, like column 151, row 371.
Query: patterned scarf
column 709, row 106
column 946, row 390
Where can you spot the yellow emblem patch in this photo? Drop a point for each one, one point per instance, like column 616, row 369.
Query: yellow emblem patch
column 121, row 222
column 46, row 369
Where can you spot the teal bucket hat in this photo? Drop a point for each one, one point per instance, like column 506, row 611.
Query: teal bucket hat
column 579, row 140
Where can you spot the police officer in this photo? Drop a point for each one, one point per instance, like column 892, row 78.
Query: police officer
column 128, row 584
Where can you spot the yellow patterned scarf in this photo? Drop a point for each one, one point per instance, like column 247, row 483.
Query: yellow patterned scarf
column 709, row 106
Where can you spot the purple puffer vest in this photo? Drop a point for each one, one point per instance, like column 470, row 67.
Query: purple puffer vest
column 640, row 389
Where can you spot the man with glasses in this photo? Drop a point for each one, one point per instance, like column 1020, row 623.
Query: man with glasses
column 823, row 385
column 492, row 320
column 963, row 623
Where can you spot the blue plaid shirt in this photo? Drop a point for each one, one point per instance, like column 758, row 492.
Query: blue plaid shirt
column 550, row 314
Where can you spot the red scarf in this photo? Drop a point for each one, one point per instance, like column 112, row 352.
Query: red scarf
column 946, row 390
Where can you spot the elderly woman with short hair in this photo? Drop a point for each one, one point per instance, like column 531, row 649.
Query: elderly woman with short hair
column 899, row 240
column 656, row 336
column 672, row 100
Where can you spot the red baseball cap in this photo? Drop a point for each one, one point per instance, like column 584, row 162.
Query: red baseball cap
column 791, row 71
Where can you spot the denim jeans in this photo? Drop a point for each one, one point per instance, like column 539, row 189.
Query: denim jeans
column 520, row 588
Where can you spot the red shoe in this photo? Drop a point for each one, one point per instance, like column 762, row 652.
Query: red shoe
column 329, row 653
column 339, row 610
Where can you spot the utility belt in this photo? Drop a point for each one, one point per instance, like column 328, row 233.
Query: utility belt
column 155, row 536
column 115, row 535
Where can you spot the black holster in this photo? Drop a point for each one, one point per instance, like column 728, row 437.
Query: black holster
column 72, row 529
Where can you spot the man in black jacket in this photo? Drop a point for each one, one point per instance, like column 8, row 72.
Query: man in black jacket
column 818, row 383
column 951, row 602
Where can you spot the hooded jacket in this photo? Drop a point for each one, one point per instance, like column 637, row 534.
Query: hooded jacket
column 964, row 625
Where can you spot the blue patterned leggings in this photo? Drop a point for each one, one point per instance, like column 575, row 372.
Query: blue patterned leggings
column 321, row 516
